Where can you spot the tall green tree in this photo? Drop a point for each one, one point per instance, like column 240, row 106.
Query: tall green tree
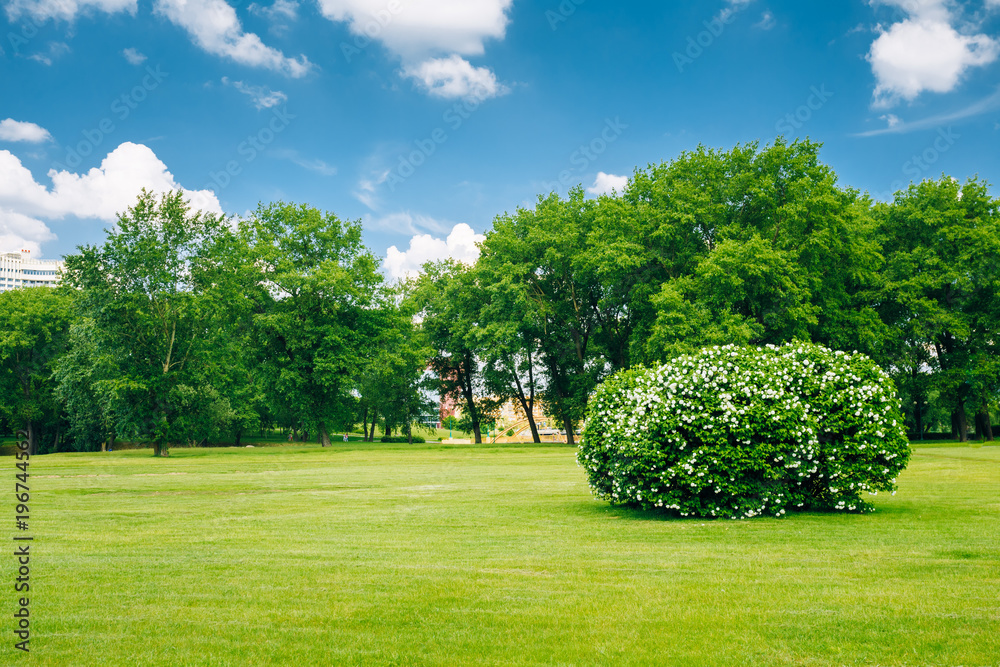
column 446, row 301
column 160, row 292
column 34, row 333
column 543, row 250
column 942, row 285
column 322, row 305
column 508, row 340
column 758, row 245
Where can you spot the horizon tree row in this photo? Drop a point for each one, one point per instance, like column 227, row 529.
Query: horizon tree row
column 750, row 246
column 185, row 327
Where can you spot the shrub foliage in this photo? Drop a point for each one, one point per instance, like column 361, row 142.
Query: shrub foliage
column 742, row 431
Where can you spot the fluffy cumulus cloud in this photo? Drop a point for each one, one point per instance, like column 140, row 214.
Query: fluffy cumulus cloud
column 455, row 78
column 16, row 130
column 421, row 31
column 605, row 184
column 925, row 52
column 19, row 231
column 461, row 245
column 415, row 29
column 99, row 193
column 214, row 26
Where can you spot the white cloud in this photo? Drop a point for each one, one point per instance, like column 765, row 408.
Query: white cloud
column 262, row 96
column 214, row 26
column 407, row 223
column 985, row 105
column 461, row 245
column 312, row 164
column 55, row 51
column 416, row 29
column 925, row 52
column 287, row 10
column 605, row 184
column 16, row 130
column 134, row 57
column 19, row 231
column 420, row 31
column 66, row 10
column 99, row 193
column 891, row 119
column 766, row 21
column 732, row 6
column 455, row 78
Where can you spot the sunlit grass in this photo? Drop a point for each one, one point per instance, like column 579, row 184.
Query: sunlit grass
column 452, row 555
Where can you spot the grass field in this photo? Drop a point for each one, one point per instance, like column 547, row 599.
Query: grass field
column 461, row 555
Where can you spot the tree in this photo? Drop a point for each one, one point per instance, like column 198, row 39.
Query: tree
column 322, row 305
column 83, row 376
column 942, row 285
column 392, row 383
column 160, row 292
column 445, row 298
column 543, row 252
column 507, row 336
column 758, row 245
column 34, row 333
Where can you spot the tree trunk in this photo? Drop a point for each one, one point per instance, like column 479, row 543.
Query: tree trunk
column 977, row 419
column 111, row 442
column 528, row 404
column 983, row 419
column 963, row 424
column 364, row 422
column 32, row 439
column 239, row 435
column 371, row 433
column 324, row 437
column 919, row 418
column 954, row 425
column 568, row 425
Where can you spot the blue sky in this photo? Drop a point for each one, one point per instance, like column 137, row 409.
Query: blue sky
column 427, row 118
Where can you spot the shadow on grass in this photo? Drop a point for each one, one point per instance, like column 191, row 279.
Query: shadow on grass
column 604, row 510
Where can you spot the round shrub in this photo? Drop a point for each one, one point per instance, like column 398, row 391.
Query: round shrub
column 741, row 432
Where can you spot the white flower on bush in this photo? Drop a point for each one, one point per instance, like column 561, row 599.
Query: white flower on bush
column 839, row 411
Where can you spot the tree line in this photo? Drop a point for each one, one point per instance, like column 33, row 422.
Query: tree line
column 184, row 327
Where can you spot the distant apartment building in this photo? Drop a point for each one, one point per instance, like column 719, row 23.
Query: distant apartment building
column 19, row 269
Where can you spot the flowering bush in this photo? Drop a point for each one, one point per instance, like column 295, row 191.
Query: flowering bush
column 741, row 432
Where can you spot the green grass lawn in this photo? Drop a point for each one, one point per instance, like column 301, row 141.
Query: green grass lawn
column 462, row 555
